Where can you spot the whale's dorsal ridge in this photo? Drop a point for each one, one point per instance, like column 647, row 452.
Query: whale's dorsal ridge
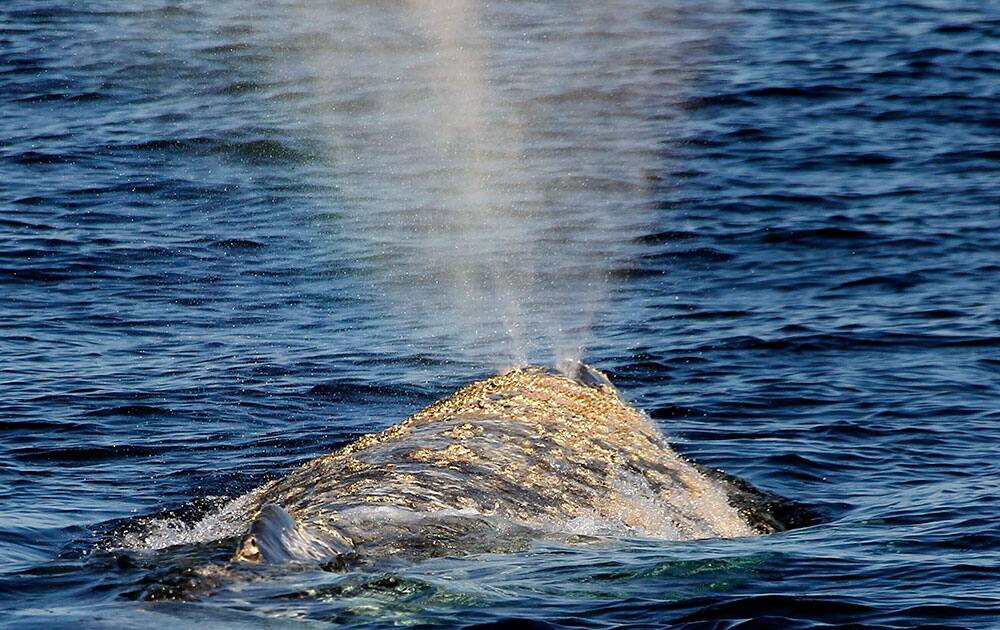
column 583, row 374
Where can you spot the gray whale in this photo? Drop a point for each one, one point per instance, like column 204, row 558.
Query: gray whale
column 525, row 451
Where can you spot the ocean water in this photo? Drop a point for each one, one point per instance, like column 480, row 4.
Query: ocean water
column 237, row 235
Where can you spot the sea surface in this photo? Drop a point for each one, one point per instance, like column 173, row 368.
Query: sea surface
column 237, row 235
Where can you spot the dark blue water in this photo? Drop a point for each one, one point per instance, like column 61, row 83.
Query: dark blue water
column 234, row 236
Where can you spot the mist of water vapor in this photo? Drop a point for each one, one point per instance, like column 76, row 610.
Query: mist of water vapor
column 491, row 162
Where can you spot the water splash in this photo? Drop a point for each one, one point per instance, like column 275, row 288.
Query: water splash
column 205, row 520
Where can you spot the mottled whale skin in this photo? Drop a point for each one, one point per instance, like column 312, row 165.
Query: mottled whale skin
column 528, row 449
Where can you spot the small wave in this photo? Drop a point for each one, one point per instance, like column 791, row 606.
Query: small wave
column 855, row 429
column 846, row 159
column 130, row 410
column 689, row 173
column 711, row 315
column 971, row 342
column 896, row 282
column 33, row 274
column 196, row 143
column 687, row 360
column 983, row 53
column 348, row 391
column 253, row 151
column 923, row 53
column 676, row 411
column 41, row 157
column 27, row 253
column 778, row 611
column 843, row 342
column 964, row 156
column 14, row 223
column 862, row 159
column 751, row 134
column 990, row 364
column 952, row 29
column 226, row 49
column 80, row 97
column 718, row 100
column 17, row 66
column 634, row 273
column 84, row 453
column 237, row 243
column 706, row 254
column 667, row 236
column 821, row 91
column 813, row 236
column 939, row 313
column 799, row 199
column 265, row 152
column 47, row 426
column 45, row 97
column 240, row 87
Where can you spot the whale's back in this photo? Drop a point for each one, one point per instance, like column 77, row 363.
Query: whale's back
column 528, row 447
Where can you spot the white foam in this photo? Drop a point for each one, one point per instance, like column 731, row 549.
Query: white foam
column 152, row 533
